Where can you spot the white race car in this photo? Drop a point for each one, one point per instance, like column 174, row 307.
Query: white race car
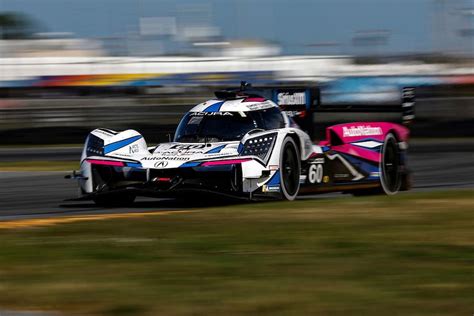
column 244, row 145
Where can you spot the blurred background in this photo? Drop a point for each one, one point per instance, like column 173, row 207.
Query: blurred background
column 69, row 66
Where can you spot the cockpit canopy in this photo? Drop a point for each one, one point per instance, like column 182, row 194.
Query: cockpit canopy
column 204, row 127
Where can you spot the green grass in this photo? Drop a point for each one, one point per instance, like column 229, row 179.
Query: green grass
column 39, row 166
column 411, row 254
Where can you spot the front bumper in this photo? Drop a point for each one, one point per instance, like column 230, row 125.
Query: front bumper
column 225, row 179
column 240, row 179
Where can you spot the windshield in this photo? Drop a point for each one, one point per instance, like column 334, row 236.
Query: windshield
column 203, row 127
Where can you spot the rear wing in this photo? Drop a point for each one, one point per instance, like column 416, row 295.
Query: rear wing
column 300, row 103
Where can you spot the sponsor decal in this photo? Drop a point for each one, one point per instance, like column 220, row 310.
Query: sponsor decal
column 318, row 160
column 341, row 175
column 187, row 147
column 260, row 106
column 271, row 188
column 361, row 130
column 151, row 158
column 173, row 158
column 179, row 153
column 189, row 152
column 161, row 164
column 326, row 179
column 295, row 98
column 211, row 114
column 133, row 149
column 295, row 113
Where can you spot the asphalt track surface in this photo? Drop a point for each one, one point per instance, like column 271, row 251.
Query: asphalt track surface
column 42, row 194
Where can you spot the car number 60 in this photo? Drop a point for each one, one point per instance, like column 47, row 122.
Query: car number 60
column 315, row 173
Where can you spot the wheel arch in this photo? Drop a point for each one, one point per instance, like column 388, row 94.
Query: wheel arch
column 407, row 181
column 297, row 141
column 297, row 151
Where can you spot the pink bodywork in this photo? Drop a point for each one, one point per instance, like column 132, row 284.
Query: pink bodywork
column 364, row 131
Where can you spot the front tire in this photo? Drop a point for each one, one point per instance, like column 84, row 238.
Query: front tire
column 290, row 169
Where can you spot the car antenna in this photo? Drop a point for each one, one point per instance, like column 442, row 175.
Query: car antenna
column 244, row 85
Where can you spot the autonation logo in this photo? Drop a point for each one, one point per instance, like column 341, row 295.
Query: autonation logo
column 354, row 131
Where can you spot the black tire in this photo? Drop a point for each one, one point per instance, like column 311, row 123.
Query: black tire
column 290, row 169
column 390, row 175
column 391, row 178
column 115, row 200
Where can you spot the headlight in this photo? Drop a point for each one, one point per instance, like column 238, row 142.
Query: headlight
column 94, row 146
column 260, row 146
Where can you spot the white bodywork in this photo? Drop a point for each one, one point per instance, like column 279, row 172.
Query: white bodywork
column 256, row 172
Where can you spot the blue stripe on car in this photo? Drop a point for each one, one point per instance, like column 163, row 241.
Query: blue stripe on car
column 134, row 164
column 216, row 150
column 122, row 143
column 240, row 148
column 275, row 179
column 360, row 164
column 190, row 164
column 214, row 108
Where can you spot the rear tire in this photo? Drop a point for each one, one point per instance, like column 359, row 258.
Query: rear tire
column 390, row 175
column 290, row 169
column 115, row 200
